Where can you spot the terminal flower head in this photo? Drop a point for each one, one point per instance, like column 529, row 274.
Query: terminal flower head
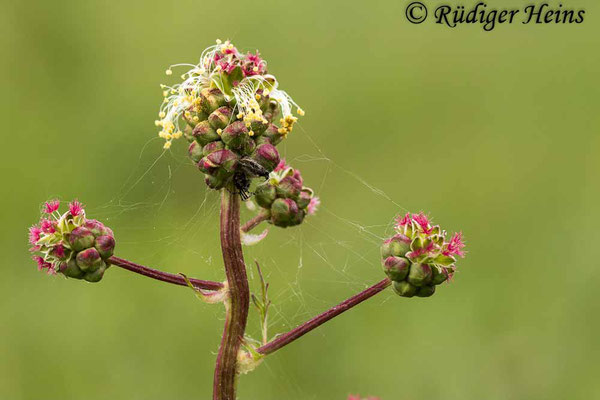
column 70, row 244
column 223, row 76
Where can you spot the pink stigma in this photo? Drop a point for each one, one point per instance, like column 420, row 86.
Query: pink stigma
column 75, row 208
column 41, row 263
column 313, row 205
column 48, row 226
column 34, row 234
column 59, row 251
column 51, row 206
column 403, row 220
column 455, row 246
column 281, row 166
column 423, row 222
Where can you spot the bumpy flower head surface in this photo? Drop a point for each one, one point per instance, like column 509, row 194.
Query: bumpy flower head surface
column 227, row 107
column 71, row 244
column 284, row 198
column 419, row 257
column 357, row 397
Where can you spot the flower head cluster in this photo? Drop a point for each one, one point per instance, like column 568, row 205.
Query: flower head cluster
column 224, row 77
column 419, row 257
column 284, row 198
column 69, row 243
column 357, row 397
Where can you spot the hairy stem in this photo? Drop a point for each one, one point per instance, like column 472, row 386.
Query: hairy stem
column 236, row 307
column 254, row 222
column 320, row 319
column 163, row 276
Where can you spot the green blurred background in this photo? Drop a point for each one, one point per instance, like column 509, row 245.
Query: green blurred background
column 493, row 133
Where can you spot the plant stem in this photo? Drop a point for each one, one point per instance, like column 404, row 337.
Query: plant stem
column 320, row 319
column 254, row 222
column 236, row 308
column 163, row 276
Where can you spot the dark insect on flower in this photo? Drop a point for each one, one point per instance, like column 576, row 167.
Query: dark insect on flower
column 247, row 169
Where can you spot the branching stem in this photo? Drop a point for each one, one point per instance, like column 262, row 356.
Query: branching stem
column 320, row 319
column 163, row 276
column 254, row 222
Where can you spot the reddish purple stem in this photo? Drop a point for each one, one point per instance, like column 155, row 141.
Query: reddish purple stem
column 163, row 276
column 236, row 316
column 254, row 222
column 320, row 319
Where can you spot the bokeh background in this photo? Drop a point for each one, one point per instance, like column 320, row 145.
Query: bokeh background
column 492, row 133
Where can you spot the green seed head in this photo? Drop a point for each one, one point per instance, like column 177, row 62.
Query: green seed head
column 204, row 133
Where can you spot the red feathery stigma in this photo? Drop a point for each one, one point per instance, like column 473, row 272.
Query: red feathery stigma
column 75, row 208
column 455, row 245
column 51, row 206
column 34, row 234
column 48, row 226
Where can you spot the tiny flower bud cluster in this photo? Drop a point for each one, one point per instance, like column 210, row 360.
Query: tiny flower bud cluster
column 238, row 81
column 284, row 198
column 418, row 257
column 71, row 244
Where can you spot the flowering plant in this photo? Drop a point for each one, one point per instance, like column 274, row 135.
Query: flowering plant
column 227, row 107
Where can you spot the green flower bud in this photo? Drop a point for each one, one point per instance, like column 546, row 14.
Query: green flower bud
column 420, row 274
column 262, row 140
column 398, row 245
column 96, row 276
column 298, row 217
column 270, row 110
column 212, row 147
column 426, row 291
column 304, row 198
column 263, row 101
column 214, row 182
column 195, row 151
column 289, row 187
column 71, row 270
column 272, row 133
column 225, row 160
column 204, row 133
column 89, row 260
column 284, row 213
column 396, row 268
column 265, row 194
column 235, row 135
column 438, row 275
column 81, row 238
column 97, row 228
column 211, row 99
column 105, row 245
column 404, row 289
column 220, row 117
column 266, row 155
column 258, row 127
column 206, row 166
column 193, row 117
